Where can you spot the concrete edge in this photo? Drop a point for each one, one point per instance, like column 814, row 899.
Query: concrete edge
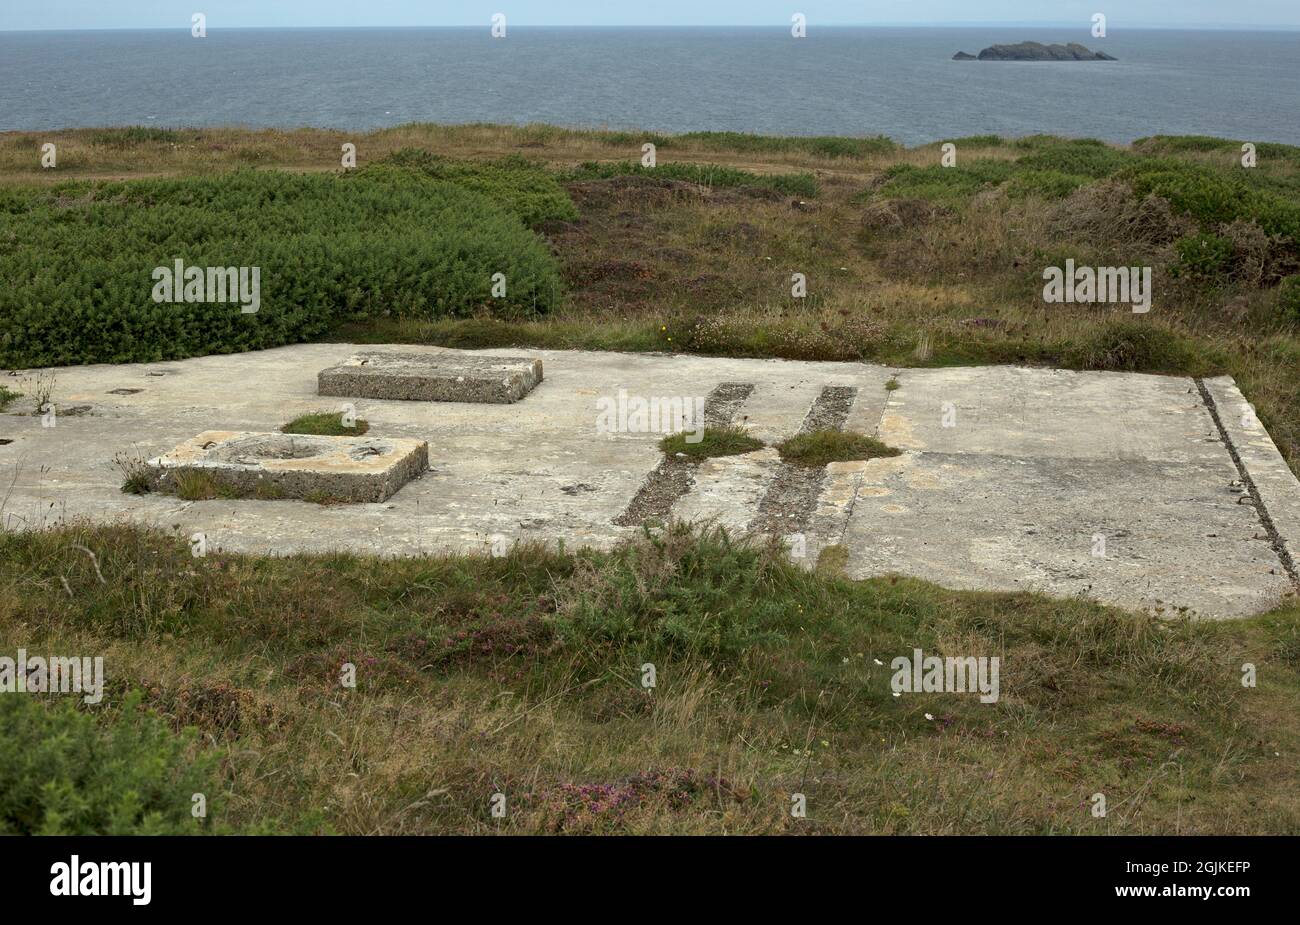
column 1273, row 486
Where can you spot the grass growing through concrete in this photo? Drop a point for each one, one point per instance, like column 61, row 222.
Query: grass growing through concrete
column 198, row 485
column 137, row 478
column 325, row 424
column 821, row 447
column 731, row 440
column 8, row 397
column 522, row 675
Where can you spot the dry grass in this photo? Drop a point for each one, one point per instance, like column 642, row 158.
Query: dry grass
column 478, row 676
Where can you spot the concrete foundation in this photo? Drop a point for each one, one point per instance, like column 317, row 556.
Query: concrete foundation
column 425, row 377
column 274, row 466
column 1158, row 493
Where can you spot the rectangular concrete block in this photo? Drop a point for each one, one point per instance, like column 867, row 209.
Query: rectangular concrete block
column 271, row 466
column 432, row 377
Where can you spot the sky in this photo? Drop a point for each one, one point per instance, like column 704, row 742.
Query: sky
column 157, row 14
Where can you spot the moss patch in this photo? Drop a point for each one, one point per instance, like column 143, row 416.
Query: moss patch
column 325, row 424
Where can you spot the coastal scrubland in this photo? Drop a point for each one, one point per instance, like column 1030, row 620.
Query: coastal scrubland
column 523, row 675
column 907, row 262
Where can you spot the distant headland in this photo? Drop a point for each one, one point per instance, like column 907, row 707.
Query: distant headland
column 1035, row 51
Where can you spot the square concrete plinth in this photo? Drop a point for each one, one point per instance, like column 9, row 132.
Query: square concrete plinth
column 432, row 377
column 272, row 466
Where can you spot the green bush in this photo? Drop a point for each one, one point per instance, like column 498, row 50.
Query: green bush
column 946, row 185
column 1289, row 297
column 1215, row 197
column 1077, row 158
column 526, row 189
column 1046, row 184
column 1201, row 192
column 1201, row 144
column 1203, row 257
column 78, row 259
column 792, row 184
column 62, row 773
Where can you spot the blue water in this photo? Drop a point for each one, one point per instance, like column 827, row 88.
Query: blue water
column 838, row 81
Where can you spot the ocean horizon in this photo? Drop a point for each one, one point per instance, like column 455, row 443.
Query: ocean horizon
column 898, row 81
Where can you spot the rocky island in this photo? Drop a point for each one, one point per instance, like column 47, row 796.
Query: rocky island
column 1035, row 51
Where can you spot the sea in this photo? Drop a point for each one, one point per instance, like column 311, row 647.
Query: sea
column 899, row 82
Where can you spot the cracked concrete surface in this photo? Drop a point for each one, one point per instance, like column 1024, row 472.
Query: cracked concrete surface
column 1114, row 486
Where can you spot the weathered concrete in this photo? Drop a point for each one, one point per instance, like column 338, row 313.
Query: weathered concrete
column 1036, row 465
column 422, row 377
column 276, row 465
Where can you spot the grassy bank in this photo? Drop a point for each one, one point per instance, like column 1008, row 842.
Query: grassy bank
column 523, row 676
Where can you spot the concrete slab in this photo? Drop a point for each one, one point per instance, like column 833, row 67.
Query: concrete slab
column 276, row 465
column 1156, row 535
column 1009, row 497
column 421, row 377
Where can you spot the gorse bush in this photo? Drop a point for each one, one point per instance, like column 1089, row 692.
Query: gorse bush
column 1076, row 158
column 78, row 261
column 62, row 773
column 1214, row 197
column 1289, row 298
column 1045, row 184
column 946, row 185
column 526, row 189
column 1203, row 257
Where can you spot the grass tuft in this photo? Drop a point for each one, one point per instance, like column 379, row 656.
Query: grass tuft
column 821, row 447
column 731, row 440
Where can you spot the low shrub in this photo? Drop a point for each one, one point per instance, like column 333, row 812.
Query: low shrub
column 1215, row 198
column 63, row 773
column 1076, row 158
column 1203, row 257
column 528, row 190
column 1044, row 184
column 78, row 261
column 1289, row 297
column 946, row 185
